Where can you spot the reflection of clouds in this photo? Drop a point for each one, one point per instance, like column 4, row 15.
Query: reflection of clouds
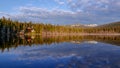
column 64, row 51
column 38, row 54
column 67, row 55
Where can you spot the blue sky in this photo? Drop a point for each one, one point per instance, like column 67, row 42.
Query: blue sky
column 62, row 11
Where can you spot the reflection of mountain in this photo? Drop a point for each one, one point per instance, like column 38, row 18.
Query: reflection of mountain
column 8, row 42
column 78, row 42
column 91, row 42
column 115, row 40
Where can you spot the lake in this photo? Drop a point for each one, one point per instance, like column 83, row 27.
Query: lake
column 60, row 52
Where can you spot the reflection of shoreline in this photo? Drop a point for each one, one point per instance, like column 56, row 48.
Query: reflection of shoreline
column 102, row 34
column 90, row 42
column 74, row 34
column 93, row 39
column 78, row 42
column 28, row 40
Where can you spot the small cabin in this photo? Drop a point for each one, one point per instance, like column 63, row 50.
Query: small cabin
column 22, row 32
column 30, row 30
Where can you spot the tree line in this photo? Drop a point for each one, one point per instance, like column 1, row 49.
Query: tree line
column 10, row 27
column 7, row 26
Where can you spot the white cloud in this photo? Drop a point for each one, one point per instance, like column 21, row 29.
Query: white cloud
column 82, row 11
column 56, row 15
column 60, row 2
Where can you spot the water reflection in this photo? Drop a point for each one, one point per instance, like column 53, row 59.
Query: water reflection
column 22, row 40
column 60, row 52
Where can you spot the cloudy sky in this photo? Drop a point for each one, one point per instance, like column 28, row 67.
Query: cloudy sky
column 62, row 11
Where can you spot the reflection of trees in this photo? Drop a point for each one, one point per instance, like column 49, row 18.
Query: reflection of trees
column 115, row 40
column 12, row 41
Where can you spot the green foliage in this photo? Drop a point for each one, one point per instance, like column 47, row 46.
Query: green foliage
column 7, row 26
column 16, row 26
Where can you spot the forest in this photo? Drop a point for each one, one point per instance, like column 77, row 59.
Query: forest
column 10, row 27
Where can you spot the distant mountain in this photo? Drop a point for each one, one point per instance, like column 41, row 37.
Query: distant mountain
column 91, row 25
column 106, row 28
column 77, row 25
column 113, row 24
column 84, row 25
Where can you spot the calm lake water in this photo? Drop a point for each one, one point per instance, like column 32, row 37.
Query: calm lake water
column 60, row 52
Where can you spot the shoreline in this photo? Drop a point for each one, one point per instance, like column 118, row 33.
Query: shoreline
column 73, row 34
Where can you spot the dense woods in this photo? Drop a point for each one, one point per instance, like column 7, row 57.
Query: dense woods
column 9, row 27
